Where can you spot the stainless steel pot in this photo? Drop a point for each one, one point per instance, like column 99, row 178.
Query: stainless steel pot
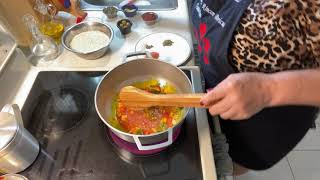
column 18, row 148
column 133, row 71
column 76, row 29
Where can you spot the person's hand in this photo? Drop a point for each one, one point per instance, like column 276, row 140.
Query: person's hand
column 239, row 96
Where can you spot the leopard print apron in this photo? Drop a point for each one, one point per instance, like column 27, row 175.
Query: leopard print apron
column 261, row 141
column 277, row 35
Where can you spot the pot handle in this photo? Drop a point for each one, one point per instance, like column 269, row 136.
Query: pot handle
column 15, row 110
column 154, row 146
column 137, row 53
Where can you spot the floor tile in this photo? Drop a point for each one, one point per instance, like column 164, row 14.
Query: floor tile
column 280, row 171
column 312, row 139
column 305, row 165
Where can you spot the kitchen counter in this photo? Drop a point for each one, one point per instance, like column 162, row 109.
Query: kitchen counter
column 175, row 21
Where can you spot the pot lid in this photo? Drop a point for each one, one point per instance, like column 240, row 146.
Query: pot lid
column 8, row 128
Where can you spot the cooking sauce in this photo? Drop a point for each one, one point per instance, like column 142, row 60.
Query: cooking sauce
column 146, row 120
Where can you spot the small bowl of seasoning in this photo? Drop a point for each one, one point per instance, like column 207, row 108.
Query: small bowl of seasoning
column 129, row 10
column 149, row 18
column 124, row 26
column 110, row 11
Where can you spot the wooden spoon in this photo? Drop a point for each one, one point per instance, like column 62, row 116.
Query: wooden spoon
column 132, row 96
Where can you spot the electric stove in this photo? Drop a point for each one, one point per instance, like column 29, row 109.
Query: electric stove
column 76, row 144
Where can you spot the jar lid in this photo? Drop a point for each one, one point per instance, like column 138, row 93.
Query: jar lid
column 8, row 129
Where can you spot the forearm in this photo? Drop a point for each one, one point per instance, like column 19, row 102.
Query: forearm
column 301, row 87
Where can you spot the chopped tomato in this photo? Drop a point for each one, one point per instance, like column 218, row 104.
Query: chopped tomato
column 155, row 55
column 147, row 131
column 169, row 122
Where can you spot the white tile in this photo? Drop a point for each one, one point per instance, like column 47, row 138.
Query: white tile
column 280, row 171
column 318, row 121
column 305, row 164
column 312, row 139
column 310, row 142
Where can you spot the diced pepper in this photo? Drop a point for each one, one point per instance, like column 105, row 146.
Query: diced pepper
column 146, row 131
column 139, row 131
column 155, row 55
column 124, row 117
column 164, row 120
column 174, row 122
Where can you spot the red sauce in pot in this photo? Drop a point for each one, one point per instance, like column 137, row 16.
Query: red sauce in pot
column 146, row 120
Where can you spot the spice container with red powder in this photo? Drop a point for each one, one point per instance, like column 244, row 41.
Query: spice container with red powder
column 149, row 18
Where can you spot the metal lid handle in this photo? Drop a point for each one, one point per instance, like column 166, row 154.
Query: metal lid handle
column 142, row 147
column 15, row 110
column 138, row 53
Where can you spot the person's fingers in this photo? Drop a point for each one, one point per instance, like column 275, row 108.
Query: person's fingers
column 220, row 107
column 230, row 114
column 214, row 95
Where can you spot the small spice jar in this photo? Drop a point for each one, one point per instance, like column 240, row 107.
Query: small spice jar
column 149, row 18
column 124, row 26
column 110, row 11
column 130, row 10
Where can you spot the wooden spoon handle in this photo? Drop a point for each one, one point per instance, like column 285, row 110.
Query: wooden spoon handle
column 179, row 100
column 132, row 96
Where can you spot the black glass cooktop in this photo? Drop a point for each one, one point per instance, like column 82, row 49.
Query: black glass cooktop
column 60, row 113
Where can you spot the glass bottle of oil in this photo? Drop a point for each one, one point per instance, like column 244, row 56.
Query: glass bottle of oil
column 42, row 46
column 50, row 27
